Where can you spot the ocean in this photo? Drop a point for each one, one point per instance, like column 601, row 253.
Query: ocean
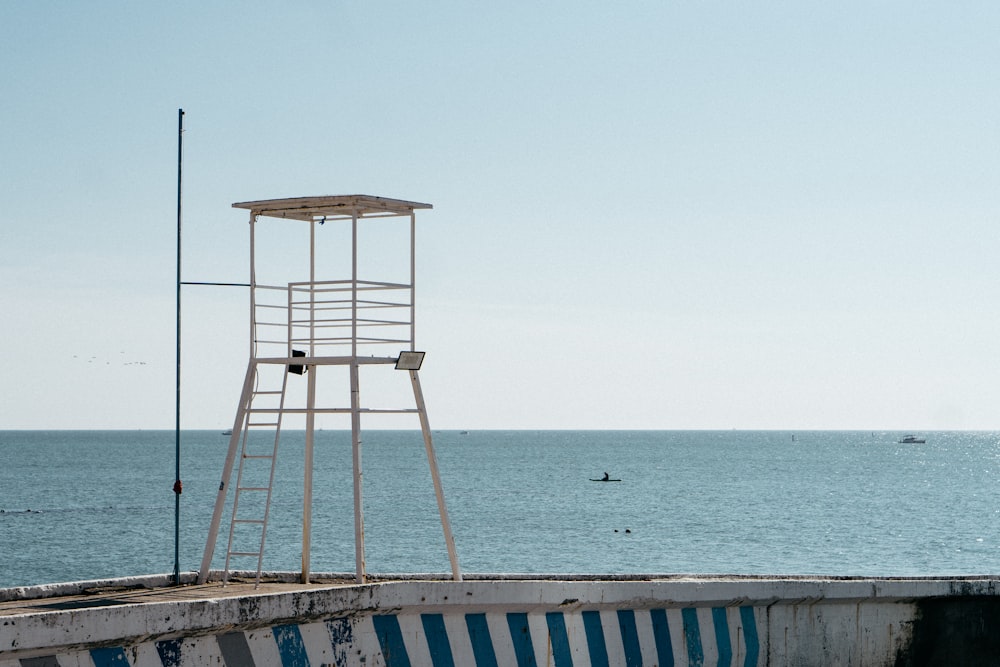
column 80, row 505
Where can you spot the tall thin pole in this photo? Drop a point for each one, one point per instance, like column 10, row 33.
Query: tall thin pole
column 177, row 408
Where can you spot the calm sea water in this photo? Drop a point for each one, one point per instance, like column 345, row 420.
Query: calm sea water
column 93, row 504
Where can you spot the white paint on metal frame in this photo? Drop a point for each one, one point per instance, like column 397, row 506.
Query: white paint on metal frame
column 319, row 210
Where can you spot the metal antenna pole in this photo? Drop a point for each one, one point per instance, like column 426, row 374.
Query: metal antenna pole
column 177, row 409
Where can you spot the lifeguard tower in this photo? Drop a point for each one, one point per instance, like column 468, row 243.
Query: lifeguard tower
column 311, row 318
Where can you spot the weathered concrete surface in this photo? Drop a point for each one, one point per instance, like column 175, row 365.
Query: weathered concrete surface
column 506, row 619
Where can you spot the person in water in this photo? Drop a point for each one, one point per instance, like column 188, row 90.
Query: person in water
column 605, row 478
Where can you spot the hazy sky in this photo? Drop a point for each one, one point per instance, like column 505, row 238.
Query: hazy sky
column 646, row 214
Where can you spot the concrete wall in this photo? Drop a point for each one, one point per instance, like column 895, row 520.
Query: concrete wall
column 737, row 622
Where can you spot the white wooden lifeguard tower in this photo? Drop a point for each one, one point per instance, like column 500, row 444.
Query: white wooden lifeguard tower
column 328, row 319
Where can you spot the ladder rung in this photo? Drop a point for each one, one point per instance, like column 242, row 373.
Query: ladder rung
column 263, row 424
column 266, row 393
column 248, row 521
column 244, row 553
column 258, row 456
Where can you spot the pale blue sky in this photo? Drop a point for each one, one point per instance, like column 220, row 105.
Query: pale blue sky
column 647, row 214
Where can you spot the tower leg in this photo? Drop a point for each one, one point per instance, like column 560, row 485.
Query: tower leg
column 227, row 473
column 418, row 395
column 307, row 485
column 359, row 521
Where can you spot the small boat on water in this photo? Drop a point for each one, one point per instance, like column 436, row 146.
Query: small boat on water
column 228, row 431
column 911, row 440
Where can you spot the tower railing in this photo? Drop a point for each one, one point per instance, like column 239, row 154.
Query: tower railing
column 332, row 316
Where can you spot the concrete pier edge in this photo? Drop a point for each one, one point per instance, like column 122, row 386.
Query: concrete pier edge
column 773, row 620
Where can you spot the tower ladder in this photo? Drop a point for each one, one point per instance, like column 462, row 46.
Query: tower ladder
column 255, row 476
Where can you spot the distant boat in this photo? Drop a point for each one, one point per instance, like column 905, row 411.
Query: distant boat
column 228, row 431
column 911, row 440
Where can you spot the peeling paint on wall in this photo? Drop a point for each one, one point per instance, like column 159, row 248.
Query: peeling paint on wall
column 560, row 623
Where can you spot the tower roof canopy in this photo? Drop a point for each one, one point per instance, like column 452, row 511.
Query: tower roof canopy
column 331, row 207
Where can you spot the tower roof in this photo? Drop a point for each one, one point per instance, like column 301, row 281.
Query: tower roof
column 331, row 207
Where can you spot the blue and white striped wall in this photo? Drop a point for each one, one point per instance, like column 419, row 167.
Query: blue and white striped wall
column 682, row 622
column 679, row 637
column 690, row 636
